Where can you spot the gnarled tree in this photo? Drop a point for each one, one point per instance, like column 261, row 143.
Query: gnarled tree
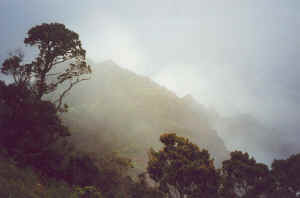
column 60, row 62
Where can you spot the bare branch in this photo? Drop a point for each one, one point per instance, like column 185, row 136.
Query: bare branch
column 59, row 100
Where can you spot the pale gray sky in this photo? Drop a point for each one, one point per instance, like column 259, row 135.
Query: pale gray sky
column 235, row 56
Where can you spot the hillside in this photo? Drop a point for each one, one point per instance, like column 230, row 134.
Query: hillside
column 17, row 182
column 119, row 111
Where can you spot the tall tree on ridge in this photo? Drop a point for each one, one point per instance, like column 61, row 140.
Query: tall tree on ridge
column 56, row 45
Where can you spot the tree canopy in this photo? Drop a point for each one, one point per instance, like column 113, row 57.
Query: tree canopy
column 182, row 168
column 60, row 62
column 287, row 176
column 28, row 126
column 32, row 133
column 243, row 176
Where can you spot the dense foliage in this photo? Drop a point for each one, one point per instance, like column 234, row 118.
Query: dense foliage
column 56, row 45
column 32, row 133
column 28, row 126
column 182, row 168
column 38, row 159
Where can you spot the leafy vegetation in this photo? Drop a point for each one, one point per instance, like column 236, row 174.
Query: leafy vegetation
column 244, row 176
column 182, row 168
column 19, row 182
column 32, row 133
column 39, row 159
column 56, row 45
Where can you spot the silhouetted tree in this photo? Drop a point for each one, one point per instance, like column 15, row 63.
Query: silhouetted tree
column 243, row 176
column 182, row 168
column 56, row 45
column 286, row 174
column 12, row 66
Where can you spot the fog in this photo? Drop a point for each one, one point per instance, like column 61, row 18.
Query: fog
column 237, row 58
column 122, row 112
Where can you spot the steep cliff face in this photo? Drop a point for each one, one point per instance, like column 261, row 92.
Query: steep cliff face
column 122, row 112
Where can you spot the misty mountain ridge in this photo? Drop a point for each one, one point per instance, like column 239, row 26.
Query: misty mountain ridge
column 119, row 109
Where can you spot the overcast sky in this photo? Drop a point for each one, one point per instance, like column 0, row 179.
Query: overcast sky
column 239, row 57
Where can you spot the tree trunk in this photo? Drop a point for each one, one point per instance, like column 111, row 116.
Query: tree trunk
column 181, row 195
column 41, row 86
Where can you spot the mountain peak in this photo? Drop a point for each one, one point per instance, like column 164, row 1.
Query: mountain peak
column 189, row 99
column 109, row 62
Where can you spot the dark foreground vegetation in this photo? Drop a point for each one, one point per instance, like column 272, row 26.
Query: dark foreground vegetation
column 38, row 159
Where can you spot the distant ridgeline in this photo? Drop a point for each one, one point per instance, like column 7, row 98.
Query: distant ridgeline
column 122, row 112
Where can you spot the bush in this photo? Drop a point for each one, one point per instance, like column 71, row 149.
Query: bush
column 19, row 182
column 28, row 126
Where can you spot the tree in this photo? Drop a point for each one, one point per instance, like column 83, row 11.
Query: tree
column 243, row 176
column 286, row 174
column 28, row 127
column 141, row 188
column 181, row 168
column 21, row 74
column 60, row 62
